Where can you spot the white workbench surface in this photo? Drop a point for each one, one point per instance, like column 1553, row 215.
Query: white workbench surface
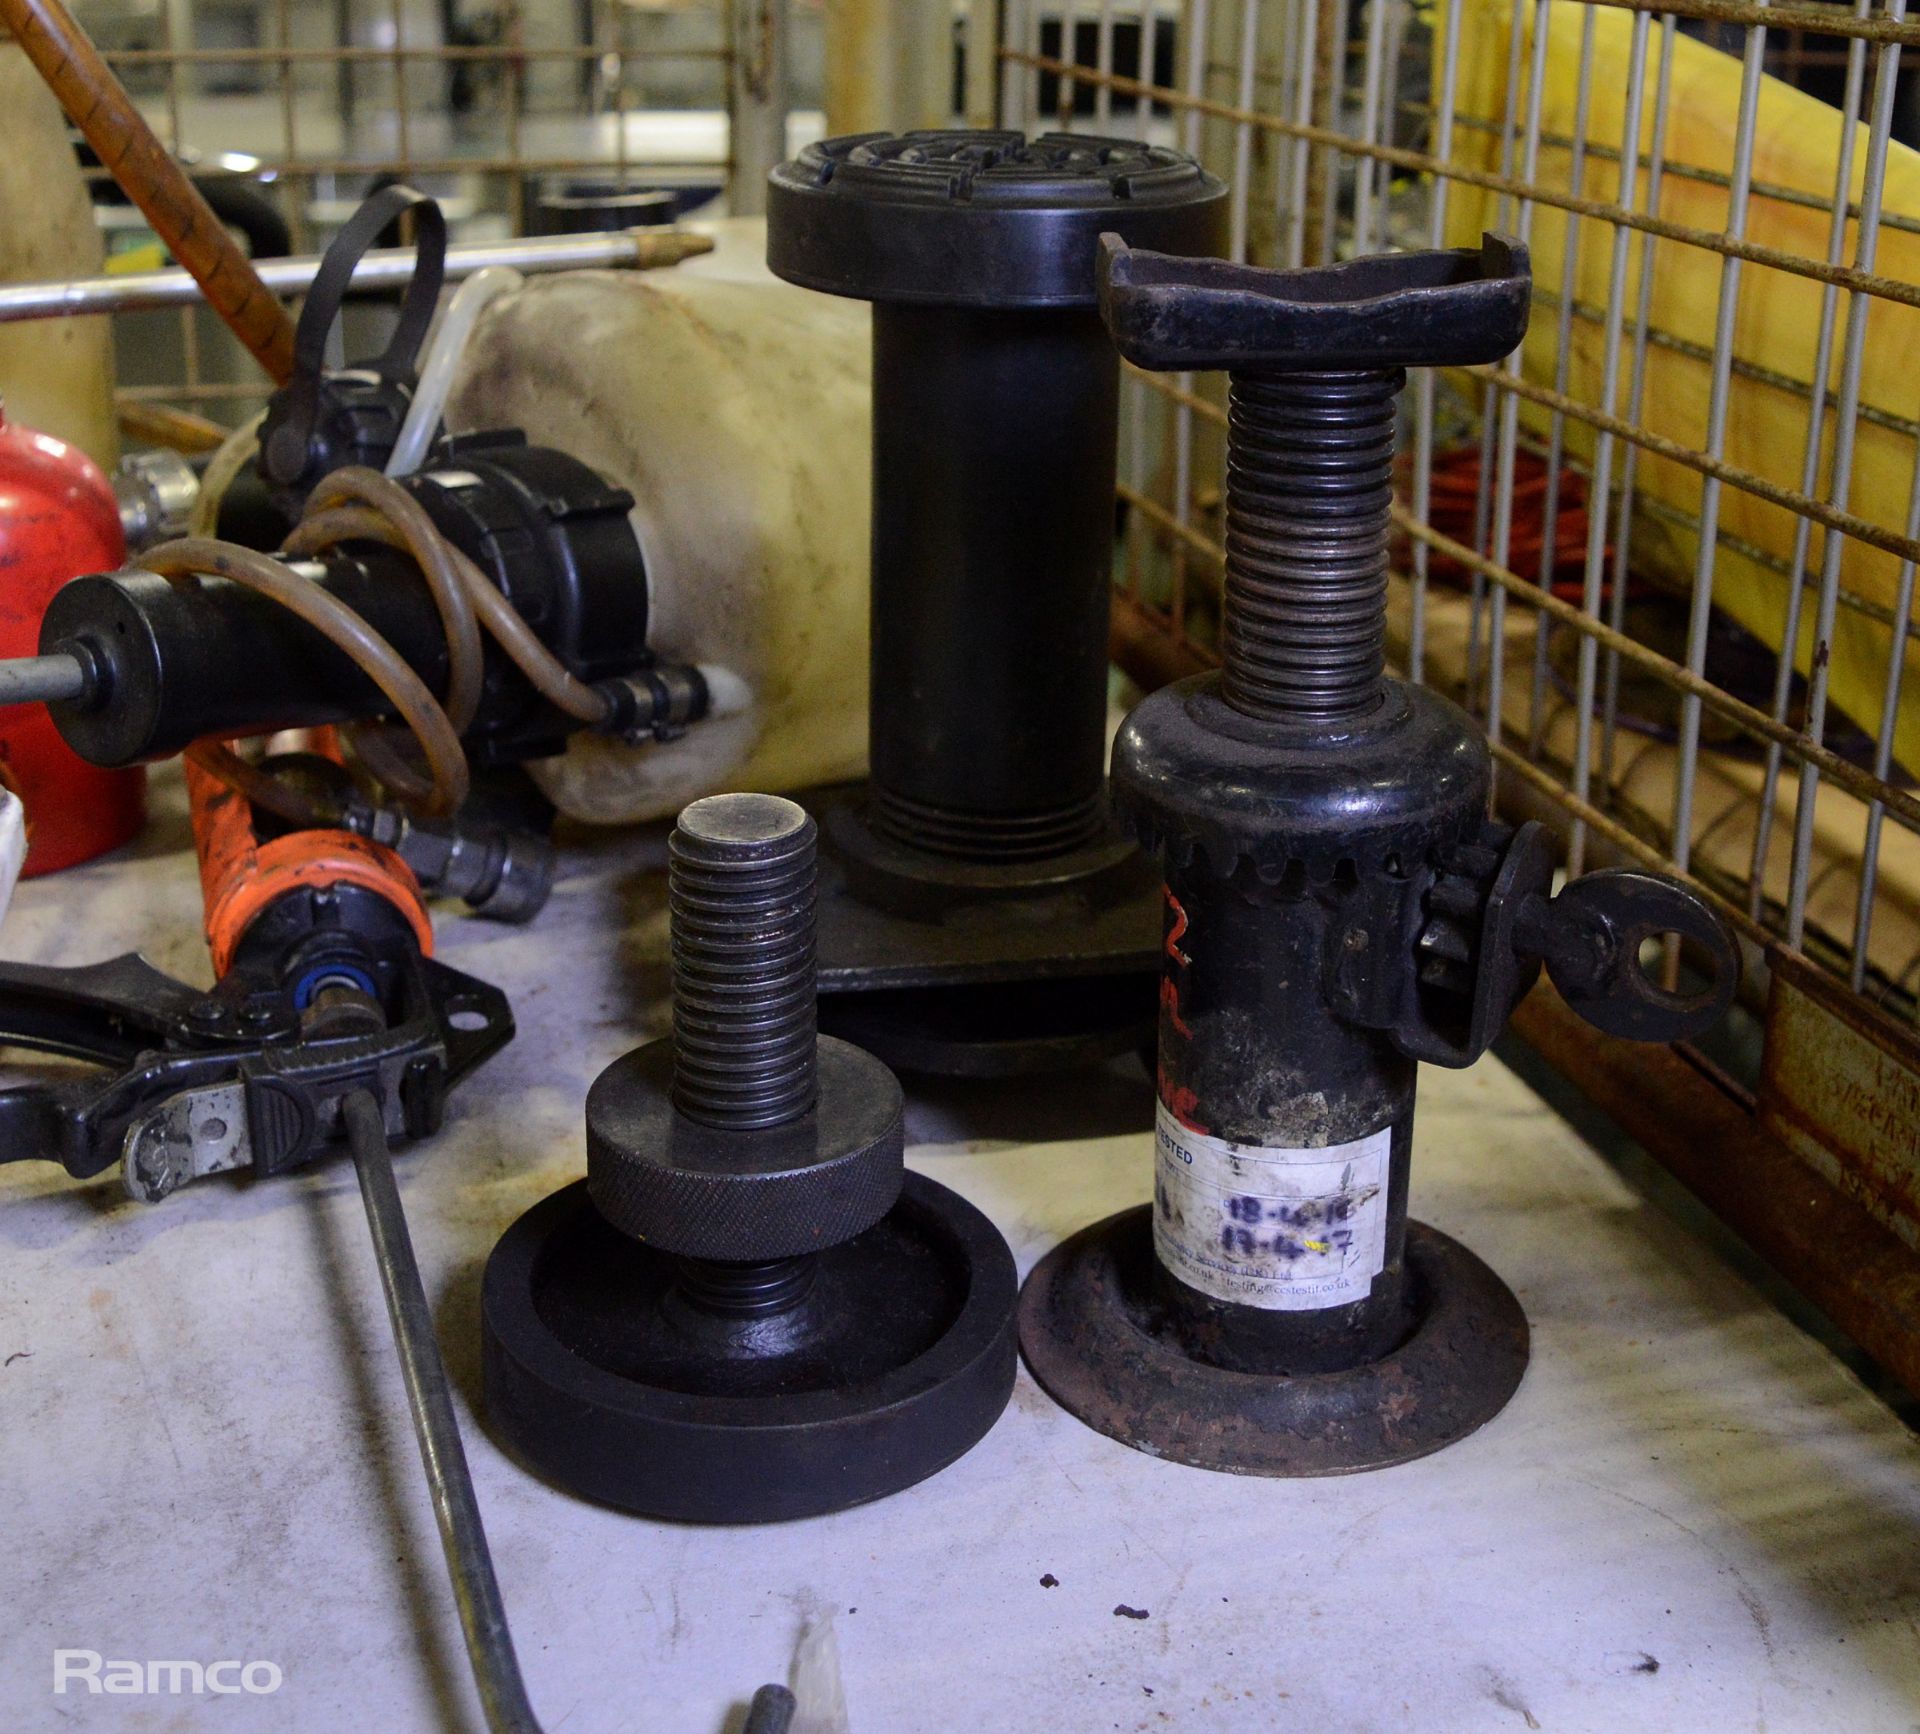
column 1690, row 1518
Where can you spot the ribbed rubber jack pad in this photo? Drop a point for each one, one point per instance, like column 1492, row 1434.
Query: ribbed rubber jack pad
column 959, row 218
column 896, row 1363
column 1095, row 1336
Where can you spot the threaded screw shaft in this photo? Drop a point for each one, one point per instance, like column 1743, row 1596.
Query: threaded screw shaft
column 1309, row 490
column 740, row 893
column 746, row 1291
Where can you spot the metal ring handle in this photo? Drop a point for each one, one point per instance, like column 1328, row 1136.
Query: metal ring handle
column 1609, row 916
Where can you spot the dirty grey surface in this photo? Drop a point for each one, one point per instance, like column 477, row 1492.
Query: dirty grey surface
column 1691, row 1517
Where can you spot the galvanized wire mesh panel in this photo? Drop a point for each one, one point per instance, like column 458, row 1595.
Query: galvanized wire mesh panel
column 1666, row 551
column 482, row 104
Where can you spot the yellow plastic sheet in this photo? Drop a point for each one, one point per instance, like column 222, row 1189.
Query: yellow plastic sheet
column 1797, row 148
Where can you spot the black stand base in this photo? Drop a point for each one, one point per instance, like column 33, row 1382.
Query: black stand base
column 965, row 970
column 999, row 1029
column 604, row 1378
column 1096, row 1337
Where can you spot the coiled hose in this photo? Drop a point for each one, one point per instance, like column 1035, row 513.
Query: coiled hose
column 357, row 504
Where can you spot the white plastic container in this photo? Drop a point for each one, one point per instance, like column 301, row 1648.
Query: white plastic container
column 736, row 409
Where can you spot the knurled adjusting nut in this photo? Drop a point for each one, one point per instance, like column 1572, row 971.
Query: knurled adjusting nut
column 699, row 1191
column 1194, row 783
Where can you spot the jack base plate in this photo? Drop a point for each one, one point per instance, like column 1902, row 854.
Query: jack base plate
column 975, row 972
column 602, row 1379
column 1099, row 1341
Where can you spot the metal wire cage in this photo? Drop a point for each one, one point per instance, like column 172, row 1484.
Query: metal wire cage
column 1666, row 551
column 491, row 106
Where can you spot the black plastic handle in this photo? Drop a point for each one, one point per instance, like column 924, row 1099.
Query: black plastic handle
column 292, row 433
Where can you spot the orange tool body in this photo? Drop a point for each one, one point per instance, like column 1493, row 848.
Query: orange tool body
column 242, row 875
column 326, row 988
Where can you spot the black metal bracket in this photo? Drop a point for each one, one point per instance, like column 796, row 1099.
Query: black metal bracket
column 1486, row 930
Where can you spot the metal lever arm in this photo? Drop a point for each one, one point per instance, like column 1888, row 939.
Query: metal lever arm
column 122, row 1013
column 107, row 1012
column 483, row 1618
column 1489, row 925
column 169, row 1047
column 463, row 1536
column 1592, row 936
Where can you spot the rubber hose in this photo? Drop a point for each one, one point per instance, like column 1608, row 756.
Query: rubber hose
column 242, row 447
column 187, row 560
column 358, row 486
column 443, row 354
column 482, row 603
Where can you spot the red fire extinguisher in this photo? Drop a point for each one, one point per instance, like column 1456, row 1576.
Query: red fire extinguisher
column 58, row 519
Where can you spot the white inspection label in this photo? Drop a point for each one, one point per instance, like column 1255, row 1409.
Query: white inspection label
column 1288, row 1230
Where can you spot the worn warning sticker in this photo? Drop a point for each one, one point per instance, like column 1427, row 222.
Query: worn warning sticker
column 1288, row 1230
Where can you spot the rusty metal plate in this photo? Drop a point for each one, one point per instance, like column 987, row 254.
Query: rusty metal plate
column 1094, row 1335
column 1841, row 1089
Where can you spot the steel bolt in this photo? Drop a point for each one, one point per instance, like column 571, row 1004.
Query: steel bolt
column 740, row 894
column 740, row 891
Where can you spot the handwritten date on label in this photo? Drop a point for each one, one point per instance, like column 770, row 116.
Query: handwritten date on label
column 1285, row 1229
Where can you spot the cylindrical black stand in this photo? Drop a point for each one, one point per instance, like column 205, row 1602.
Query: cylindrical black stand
column 980, row 855
column 993, row 475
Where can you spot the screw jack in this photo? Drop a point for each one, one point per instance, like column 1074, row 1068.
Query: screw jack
column 748, row 1310
column 1339, row 906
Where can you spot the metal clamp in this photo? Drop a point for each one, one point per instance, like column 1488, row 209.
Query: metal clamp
column 239, row 1077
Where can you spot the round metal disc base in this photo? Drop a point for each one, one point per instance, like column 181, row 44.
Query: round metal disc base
column 1096, row 1337
column 605, row 1380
